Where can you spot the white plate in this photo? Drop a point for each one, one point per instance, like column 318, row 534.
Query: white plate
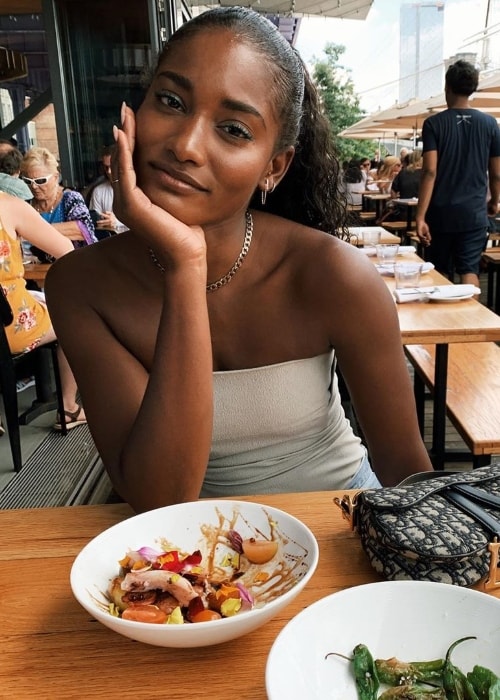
column 438, row 296
column 413, row 620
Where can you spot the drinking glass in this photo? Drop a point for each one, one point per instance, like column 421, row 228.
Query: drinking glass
column 387, row 252
column 407, row 274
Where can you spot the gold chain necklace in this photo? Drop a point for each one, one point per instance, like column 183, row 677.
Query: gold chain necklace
column 225, row 279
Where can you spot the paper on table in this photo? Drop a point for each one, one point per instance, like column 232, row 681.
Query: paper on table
column 445, row 291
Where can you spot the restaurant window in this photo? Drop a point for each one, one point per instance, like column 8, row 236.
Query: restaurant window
column 104, row 49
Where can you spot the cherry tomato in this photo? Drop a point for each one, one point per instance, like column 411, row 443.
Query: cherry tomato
column 206, row 616
column 145, row 613
column 259, row 551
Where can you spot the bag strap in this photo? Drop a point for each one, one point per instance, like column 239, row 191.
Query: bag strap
column 468, row 506
column 478, row 495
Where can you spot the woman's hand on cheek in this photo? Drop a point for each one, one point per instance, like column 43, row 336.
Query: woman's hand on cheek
column 172, row 241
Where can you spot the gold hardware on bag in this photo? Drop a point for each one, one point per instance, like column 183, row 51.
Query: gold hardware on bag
column 492, row 581
column 348, row 506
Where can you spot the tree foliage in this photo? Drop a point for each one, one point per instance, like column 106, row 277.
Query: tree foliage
column 340, row 101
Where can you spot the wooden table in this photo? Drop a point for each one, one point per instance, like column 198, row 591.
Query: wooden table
column 385, row 236
column 36, row 272
column 410, row 206
column 53, row 650
column 441, row 324
column 378, row 198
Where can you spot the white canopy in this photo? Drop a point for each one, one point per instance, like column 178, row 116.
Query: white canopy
column 342, row 9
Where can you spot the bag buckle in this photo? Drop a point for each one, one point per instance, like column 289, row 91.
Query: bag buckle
column 348, row 507
column 493, row 580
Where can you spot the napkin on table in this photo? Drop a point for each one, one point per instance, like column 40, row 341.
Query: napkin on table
column 449, row 291
column 387, row 269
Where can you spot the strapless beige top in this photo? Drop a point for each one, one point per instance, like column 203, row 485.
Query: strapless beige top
column 280, row 428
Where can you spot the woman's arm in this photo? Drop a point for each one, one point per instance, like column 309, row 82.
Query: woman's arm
column 149, row 409
column 70, row 230
column 78, row 224
column 22, row 219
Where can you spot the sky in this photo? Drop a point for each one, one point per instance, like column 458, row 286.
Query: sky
column 372, row 45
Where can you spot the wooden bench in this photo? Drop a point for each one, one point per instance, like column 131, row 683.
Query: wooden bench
column 472, row 397
column 491, row 258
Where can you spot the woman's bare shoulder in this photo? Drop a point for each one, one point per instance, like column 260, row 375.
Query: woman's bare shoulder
column 91, row 267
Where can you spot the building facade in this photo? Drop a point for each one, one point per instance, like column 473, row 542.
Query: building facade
column 421, row 68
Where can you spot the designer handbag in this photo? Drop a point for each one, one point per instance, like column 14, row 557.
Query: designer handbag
column 445, row 528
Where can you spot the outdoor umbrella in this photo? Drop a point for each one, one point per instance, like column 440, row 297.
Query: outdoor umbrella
column 348, row 9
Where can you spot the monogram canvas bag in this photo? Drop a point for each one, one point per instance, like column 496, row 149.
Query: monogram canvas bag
column 444, row 529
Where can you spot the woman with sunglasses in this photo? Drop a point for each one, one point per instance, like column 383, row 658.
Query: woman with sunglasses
column 63, row 208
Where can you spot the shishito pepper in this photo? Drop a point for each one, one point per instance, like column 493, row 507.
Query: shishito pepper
column 455, row 682
column 395, row 672
column 365, row 673
column 412, row 692
column 485, row 683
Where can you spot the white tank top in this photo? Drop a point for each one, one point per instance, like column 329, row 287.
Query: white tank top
column 280, row 428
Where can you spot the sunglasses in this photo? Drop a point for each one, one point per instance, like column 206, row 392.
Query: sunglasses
column 37, row 180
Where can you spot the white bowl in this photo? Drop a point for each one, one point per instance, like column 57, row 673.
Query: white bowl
column 181, row 525
column 412, row 620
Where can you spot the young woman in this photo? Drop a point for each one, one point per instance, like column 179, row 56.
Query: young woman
column 32, row 324
column 205, row 346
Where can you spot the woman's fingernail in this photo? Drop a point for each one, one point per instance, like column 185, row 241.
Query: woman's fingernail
column 122, row 111
column 115, row 132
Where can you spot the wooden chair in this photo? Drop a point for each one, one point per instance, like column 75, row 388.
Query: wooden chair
column 8, row 376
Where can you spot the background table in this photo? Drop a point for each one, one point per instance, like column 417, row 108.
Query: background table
column 36, row 272
column 385, row 236
column 441, row 323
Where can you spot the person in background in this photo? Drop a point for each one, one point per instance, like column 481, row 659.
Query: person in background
column 353, row 184
column 205, row 348
column 406, row 183
column 63, row 208
column 461, row 158
column 365, row 166
column 32, row 325
column 390, row 167
column 10, row 169
column 101, row 199
column 403, row 155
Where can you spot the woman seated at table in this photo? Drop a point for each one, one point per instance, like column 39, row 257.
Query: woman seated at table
column 32, row 325
column 205, row 346
column 390, row 167
column 63, row 208
column 404, row 186
column 352, row 183
column 406, row 183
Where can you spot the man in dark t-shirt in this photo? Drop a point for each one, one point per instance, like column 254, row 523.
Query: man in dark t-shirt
column 461, row 162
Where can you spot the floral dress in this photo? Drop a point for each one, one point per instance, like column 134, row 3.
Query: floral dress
column 31, row 317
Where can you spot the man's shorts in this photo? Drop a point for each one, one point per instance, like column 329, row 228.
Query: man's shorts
column 457, row 251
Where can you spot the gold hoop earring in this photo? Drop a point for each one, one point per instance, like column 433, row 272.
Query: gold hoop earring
column 263, row 193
